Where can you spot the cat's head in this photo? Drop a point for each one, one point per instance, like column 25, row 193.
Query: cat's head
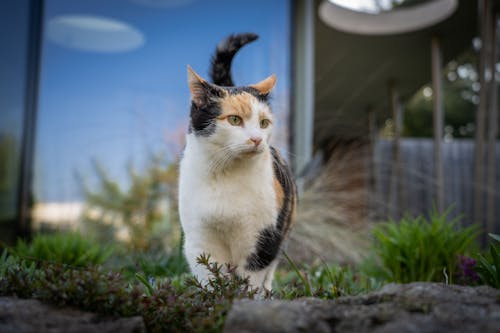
column 237, row 120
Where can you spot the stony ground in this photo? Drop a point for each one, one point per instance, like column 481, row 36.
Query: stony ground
column 31, row 316
column 415, row 307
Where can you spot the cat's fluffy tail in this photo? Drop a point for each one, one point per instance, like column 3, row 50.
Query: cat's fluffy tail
column 220, row 72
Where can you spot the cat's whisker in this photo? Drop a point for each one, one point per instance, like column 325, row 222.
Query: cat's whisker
column 220, row 158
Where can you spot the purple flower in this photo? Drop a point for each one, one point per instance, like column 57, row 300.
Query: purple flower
column 465, row 270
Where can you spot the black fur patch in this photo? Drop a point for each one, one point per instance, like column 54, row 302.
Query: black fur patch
column 204, row 114
column 270, row 239
column 268, row 246
column 252, row 91
column 203, row 119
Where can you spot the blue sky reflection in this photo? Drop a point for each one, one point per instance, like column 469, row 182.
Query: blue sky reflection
column 118, row 107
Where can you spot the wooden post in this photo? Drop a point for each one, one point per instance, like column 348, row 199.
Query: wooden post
column 438, row 117
column 492, row 131
column 481, row 116
column 372, row 182
column 394, row 193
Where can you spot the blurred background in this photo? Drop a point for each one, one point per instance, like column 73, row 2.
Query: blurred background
column 385, row 108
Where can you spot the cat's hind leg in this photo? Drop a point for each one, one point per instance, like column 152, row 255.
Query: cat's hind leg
column 271, row 269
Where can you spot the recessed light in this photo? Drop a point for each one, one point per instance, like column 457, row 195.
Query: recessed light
column 362, row 17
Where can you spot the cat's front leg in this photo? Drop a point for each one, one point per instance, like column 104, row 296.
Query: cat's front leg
column 192, row 253
column 268, row 281
column 195, row 249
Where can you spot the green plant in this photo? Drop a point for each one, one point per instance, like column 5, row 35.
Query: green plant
column 420, row 249
column 155, row 264
column 200, row 307
column 64, row 248
column 145, row 211
column 321, row 281
column 89, row 288
column 166, row 305
column 488, row 265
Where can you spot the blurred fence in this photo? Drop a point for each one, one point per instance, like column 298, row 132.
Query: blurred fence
column 414, row 193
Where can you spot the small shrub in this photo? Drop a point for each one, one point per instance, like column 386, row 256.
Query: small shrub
column 419, row 249
column 146, row 209
column 89, row 288
column 194, row 307
column 63, row 248
column 488, row 265
column 165, row 304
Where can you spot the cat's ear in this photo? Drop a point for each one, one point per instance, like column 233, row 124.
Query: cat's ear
column 197, row 87
column 265, row 86
column 201, row 90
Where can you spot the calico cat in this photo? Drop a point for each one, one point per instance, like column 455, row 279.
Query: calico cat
column 236, row 194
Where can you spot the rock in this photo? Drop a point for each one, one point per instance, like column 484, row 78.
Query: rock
column 31, row 316
column 416, row 307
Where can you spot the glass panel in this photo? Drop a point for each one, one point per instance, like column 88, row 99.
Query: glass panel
column 114, row 91
column 14, row 33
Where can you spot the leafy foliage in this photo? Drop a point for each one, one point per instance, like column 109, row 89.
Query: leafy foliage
column 420, row 249
column 168, row 305
column 62, row 270
column 488, row 265
column 89, row 289
column 145, row 211
column 460, row 82
column 64, row 248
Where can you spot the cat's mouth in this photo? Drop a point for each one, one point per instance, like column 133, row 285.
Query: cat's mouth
column 254, row 150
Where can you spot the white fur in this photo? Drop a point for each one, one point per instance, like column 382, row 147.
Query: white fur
column 226, row 196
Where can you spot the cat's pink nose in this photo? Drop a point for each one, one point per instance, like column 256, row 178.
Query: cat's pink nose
column 256, row 140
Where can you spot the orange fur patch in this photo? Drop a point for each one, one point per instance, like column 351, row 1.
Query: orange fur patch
column 237, row 105
column 266, row 85
column 280, row 195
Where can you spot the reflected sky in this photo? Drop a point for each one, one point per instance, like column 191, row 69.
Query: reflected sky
column 117, row 107
column 93, row 33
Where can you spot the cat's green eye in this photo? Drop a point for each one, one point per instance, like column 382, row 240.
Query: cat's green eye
column 264, row 123
column 235, row 120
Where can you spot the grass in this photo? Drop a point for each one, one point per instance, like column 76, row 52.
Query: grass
column 322, row 281
column 64, row 248
column 150, row 263
column 420, row 249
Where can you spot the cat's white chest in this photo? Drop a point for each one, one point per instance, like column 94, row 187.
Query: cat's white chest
column 241, row 200
column 235, row 199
